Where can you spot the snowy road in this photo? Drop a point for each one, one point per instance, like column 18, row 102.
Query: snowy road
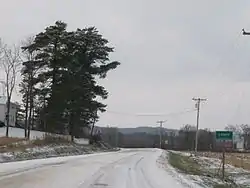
column 123, row 169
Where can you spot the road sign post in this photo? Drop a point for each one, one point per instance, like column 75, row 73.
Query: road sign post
column 223, row 164
column 224, row 136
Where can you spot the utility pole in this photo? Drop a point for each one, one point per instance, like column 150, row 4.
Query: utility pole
column 197, row 105
column 160, row 133
column 223, row 162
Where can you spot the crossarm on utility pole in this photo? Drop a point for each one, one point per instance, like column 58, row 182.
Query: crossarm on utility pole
column 244, row 32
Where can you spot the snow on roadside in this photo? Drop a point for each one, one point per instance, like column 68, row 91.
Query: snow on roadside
column 214, row 165
column 51, row 151
column 188, row 181
column 83, row 141
column 239, row 175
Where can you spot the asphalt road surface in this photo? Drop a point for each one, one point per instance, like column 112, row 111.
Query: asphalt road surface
column 123, row 169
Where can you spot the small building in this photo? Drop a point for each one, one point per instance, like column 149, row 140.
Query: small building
column 238, row 140
column 3, row 111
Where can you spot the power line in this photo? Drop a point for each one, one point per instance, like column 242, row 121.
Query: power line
column 244, row 33
column 170, row 114
column 242, row 93
column 120, row 113
column 151, row 115
column 228, row 50
column 221, row 66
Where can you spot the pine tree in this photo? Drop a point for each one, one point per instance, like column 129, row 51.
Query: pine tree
column 88, row 58
column 68, row 65
column 29, row 73
column 48, row 46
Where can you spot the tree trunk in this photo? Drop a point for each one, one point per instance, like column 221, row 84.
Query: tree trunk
column 71, row 126
column 33, row 118
column 26, row 114
column 43, row 114
column 31, row 104
column 29, row 123
column 93, row 125
column 8, row 116
column 30, row 115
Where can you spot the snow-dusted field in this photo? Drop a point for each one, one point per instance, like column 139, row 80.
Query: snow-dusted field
column 123, row 169
column 185, row 180
column 214, row 166
column 239, row 175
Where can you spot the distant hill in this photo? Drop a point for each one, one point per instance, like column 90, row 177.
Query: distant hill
column 148, row 130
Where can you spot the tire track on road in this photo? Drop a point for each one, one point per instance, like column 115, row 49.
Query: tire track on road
column 130, row 180
column 28, row 169
column 93, row 181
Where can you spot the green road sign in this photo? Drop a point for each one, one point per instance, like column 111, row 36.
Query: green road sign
column 224, row 135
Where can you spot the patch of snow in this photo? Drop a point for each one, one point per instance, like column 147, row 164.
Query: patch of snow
column 181, row 152
column 52, row 150
column 186, row 180
column 239, row 175
column 83, row 141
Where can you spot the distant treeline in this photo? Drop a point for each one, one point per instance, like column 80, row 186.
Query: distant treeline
column 184, row 139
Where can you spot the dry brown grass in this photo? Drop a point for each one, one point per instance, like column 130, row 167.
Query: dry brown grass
column 20, row 144
column 240, row 160
column 9, row 144
column 50, row 139
column 8, row 140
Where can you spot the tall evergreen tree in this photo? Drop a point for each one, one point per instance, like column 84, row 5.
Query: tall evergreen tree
column 88, row 58
column 69, row 64
column 29, row 73
column 48, row 47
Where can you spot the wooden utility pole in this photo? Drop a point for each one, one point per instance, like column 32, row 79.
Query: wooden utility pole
column 197, row 105
column 160, row 133
column 223, row 162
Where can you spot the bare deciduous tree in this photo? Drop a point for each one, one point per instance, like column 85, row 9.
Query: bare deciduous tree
column 243, row 130
column 246, row 134
column 10, row 63
column 233, row 128
column 29, row 71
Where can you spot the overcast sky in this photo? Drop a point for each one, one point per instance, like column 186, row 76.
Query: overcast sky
column 171, row 51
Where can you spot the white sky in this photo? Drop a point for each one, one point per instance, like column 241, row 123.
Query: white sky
column 170, row 52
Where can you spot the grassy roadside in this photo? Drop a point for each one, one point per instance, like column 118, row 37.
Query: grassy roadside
column 9, row 144
column 184, row 163
column 15, row 149
column 190, row 165
column 240, row 160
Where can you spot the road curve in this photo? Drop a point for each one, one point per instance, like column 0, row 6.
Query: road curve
column 123, row 169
